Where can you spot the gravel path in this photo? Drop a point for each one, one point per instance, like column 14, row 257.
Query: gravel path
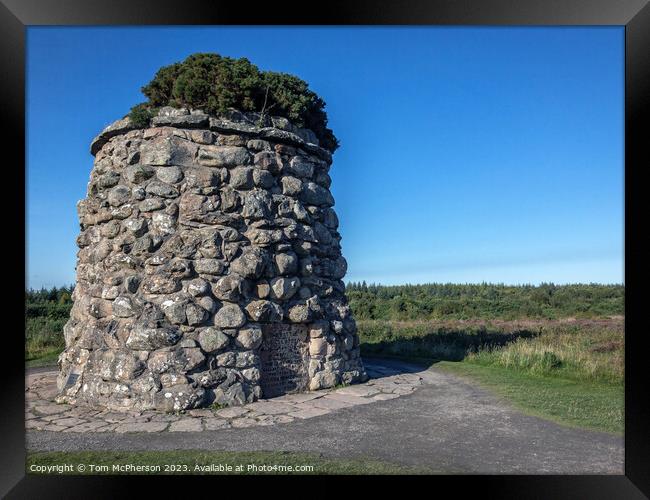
column 428, row 419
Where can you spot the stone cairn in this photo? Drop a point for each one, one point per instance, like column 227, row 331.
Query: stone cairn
column 209, row 268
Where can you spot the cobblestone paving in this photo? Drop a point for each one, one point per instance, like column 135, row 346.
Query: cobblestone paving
column 43, row 414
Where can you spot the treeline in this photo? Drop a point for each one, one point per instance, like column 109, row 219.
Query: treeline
column 52, row 303
column 485, row 301
column 430, row 301
column 59, row 295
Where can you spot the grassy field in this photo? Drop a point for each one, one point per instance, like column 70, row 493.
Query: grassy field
column 568, row 370
column 43, row 341
column 44, row 321
column 200, row 462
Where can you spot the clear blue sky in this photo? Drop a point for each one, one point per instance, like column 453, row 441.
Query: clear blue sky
column 467, row 154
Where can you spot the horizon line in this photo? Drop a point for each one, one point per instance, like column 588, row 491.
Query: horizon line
column 447, row 283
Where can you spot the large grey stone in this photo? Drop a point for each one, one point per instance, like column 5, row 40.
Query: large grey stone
column 198, row 287
column 264, row 311
column 196, row 315
column 314, row 194
column 286, row 263
column 179, row 397
column 123, row 307
column 151, row 204
column 119, row 195
column 198, row 208
column 136, row 174
column 108, row 180
column 168, row 151
column 291, row 186
column 241, row 178
column 223, row 156
column 300, row 167
column 249, row 337
column 228, row 288
column 169, row 175
column 116, row 365
column 250, row 263
column 284, row 288
column 137, row 227
column 229, row 316
column 143, row 338
column 299, row 313
column 211, row 339
column 209, row 266
column 184, row 121
column 257, row 205
column 114, row 129
column 161, row 189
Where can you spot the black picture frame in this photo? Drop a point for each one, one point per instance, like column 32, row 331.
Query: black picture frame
column 16, row 15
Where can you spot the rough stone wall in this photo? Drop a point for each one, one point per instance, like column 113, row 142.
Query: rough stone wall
column 197, row 235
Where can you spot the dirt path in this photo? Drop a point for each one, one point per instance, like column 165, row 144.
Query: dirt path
column 445, row 425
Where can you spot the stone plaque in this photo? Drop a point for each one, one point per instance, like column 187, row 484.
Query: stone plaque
column 284, row 356
column 72, row 379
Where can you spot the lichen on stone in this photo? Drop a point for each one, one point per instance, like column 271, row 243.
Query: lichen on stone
column 198, row 235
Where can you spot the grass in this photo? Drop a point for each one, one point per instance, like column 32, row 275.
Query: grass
column 585, row 350
column 206, row 462
column 575, row 403
column 43, row 340
column 591, row 350
column 569, row 371
column 44, row 358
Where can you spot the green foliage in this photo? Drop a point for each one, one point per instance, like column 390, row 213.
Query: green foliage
column 215, row 84
column 46, row 296
column 43, row 337
column 140, row 115
column 486, row 301
column 46, row 313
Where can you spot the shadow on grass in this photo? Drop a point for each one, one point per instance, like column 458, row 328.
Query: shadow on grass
column 426, row 350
